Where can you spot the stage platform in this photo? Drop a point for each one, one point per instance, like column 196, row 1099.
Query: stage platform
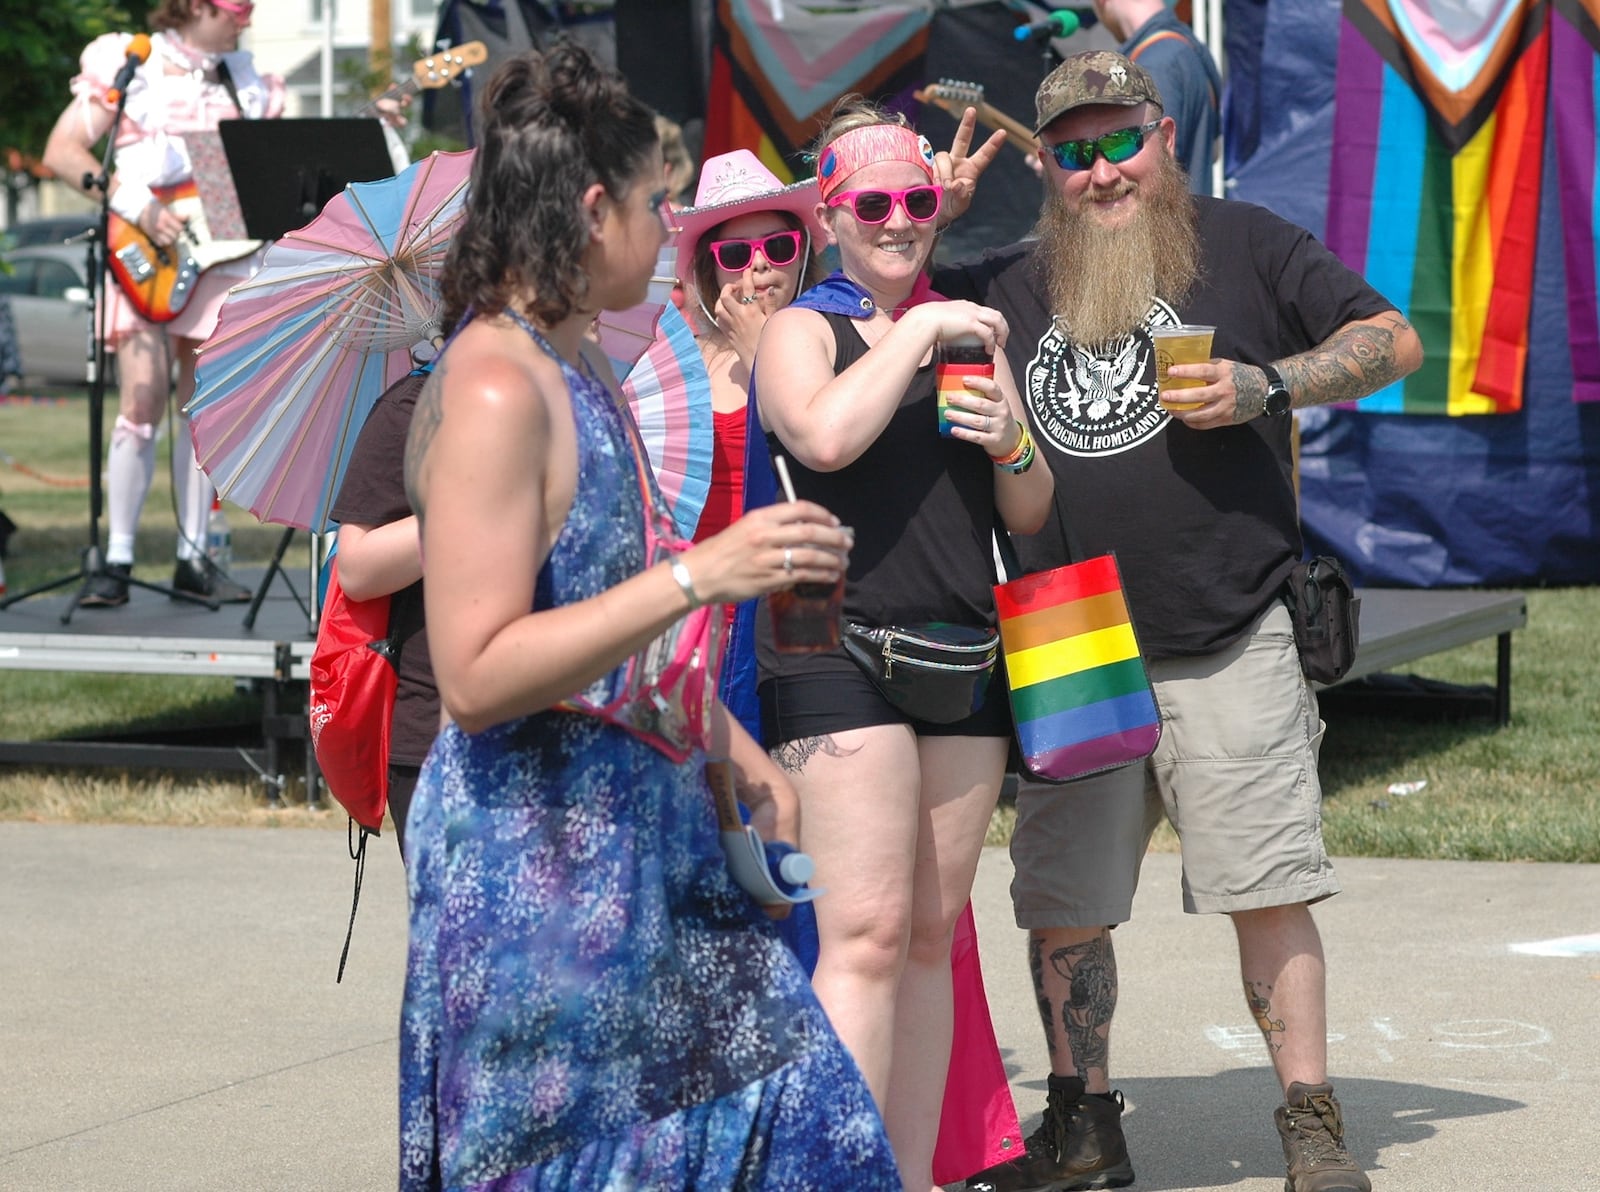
column 1401, row 625
column 152, row 635
column 157, row 636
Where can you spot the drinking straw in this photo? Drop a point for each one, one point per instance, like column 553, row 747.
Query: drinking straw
column 782, row 467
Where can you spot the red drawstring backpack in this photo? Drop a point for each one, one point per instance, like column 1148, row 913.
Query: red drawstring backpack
column 349, row 705
column 353, row 680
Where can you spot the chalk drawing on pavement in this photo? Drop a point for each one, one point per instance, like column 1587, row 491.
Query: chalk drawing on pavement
column 1568, row 946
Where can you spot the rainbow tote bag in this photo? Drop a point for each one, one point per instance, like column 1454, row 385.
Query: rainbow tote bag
column 1080, row 695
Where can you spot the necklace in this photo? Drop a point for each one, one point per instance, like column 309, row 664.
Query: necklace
column 184, row 56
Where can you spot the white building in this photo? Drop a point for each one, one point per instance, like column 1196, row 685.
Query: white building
column 288, row 37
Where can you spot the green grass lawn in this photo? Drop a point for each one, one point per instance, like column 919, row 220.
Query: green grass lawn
column 1530, row 791
column 44, row 479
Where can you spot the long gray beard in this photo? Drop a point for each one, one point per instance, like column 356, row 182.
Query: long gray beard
column 1102, row 280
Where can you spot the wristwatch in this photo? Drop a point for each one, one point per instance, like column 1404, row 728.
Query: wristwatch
column 1277, row 402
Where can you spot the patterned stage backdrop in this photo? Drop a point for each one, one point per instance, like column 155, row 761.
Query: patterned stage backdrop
column 1438, row 144
column 1574, row 100
column 774, row 80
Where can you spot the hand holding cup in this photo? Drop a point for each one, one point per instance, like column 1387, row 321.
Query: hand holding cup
column 1185, row 343
column 807, row 617
column 767, row 550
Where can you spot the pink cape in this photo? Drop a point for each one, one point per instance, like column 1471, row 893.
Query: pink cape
column 978, row 1124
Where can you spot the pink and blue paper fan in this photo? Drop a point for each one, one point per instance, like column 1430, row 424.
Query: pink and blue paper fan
column 669, row 392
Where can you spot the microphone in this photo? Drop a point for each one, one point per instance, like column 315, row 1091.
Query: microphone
column 138, row 51
column 1063, row 22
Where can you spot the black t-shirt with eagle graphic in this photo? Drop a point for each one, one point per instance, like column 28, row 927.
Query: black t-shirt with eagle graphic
column 1203, row 523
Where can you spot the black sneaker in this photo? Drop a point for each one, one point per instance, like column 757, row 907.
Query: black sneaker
column 1311, row 1126
column 107, row 588
column 201, row 578
column 1079, row 1145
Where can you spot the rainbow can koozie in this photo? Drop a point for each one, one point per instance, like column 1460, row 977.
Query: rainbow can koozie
column 957, row 360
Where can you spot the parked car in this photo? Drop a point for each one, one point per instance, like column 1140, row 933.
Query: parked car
column 50, row 305
column 54, row 229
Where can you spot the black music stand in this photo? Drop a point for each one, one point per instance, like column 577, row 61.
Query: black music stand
column 285, row 171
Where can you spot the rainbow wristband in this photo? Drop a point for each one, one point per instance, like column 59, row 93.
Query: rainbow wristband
column 1024, row 443
column 1022, row 464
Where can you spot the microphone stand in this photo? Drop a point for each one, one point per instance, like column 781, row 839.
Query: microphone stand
column 92, row 564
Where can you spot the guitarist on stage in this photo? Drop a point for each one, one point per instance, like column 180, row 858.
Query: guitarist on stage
column 195, row 76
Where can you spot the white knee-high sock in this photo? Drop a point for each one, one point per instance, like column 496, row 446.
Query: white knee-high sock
column 130, row 467
column 193, row 492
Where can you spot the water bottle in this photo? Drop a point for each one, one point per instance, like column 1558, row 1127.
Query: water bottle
column 219, row 539
column 790, row 868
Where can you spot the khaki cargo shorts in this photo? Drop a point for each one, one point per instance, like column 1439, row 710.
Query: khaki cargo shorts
column 1235, row 773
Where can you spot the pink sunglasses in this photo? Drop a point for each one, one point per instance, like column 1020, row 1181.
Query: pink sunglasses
column 921, row 203
column 738, row 254
column 234, row 8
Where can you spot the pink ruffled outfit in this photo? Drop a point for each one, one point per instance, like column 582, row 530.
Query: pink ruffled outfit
column 177, row 90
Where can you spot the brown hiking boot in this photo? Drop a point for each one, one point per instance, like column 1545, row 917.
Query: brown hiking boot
column 1312, row 1129
column 1079, row 1145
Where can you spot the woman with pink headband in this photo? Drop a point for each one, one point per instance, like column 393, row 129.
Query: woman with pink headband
column 894, row 808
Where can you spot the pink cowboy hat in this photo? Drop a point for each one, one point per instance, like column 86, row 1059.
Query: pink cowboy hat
column 734, row 184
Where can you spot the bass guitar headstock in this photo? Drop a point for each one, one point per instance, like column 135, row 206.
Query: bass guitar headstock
column 446, row 66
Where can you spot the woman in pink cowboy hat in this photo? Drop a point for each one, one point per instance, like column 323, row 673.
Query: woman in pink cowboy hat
column 746, row 248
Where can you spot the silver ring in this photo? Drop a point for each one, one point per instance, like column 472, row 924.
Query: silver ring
column 986, row 423
column 747, row 300
column 788, row 560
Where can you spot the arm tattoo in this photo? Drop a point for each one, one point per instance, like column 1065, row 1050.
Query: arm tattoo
column 1090, row 969
column 1036, row 971
column 1249, row 392
column 792, row 756
column 425, row 419
column 1258, row 995
column 1352, row 362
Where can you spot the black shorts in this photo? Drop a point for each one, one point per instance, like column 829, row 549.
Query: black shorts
column 836, row 695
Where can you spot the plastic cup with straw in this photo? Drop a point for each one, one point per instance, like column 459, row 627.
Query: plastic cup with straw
column 806, row 618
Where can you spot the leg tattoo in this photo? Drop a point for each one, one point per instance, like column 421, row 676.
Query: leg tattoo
column 792, row 756
column 1090, row 969
column 1258, row 995
column 1036, row 971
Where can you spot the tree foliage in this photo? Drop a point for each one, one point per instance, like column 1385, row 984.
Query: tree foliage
column 40, row 41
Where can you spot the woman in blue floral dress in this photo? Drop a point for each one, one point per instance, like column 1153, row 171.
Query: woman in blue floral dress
column 591, row 1003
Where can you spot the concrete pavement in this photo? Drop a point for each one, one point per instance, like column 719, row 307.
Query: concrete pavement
column 169, row 1019
column 1461, row 1063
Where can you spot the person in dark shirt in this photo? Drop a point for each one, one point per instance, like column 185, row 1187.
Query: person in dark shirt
column 1151, row 34
column 381, row 555
column 1198, row 505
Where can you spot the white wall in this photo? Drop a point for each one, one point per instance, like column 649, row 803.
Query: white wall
column 283, row 35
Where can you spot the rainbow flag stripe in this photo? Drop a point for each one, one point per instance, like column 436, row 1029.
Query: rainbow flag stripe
column 1434, row 195
column 1078, row 683
column 1575, row 115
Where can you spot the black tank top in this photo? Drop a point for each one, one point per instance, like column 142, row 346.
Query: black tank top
column 922, row 507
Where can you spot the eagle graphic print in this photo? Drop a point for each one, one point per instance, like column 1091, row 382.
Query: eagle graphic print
column 1099, row 400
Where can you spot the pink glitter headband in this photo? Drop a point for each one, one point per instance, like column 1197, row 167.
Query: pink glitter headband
column 867, row 145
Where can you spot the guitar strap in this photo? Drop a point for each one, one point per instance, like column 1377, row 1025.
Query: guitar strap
column 226, row 75
column 1173, row 35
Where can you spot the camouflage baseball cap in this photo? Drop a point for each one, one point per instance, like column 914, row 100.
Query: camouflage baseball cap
column 1093, row 77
